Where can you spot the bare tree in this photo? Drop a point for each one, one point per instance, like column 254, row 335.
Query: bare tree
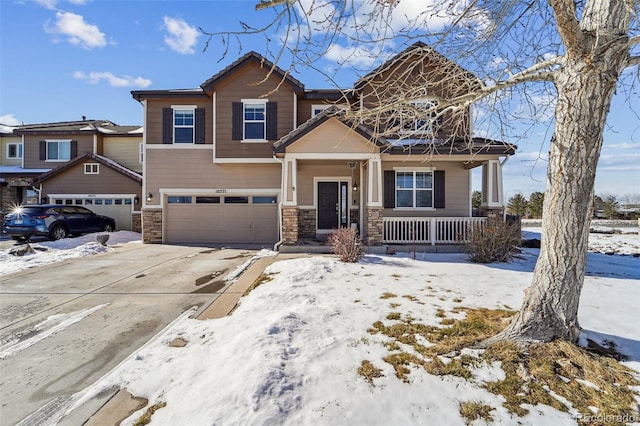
column 562, row 59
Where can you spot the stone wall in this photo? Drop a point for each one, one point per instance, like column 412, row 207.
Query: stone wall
column 152, row 226
column 289, row 225
column 136, row 222
column 307, row 223
column 374, row 226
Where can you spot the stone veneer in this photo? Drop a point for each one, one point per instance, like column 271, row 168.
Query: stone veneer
column 307, row 223
column 152, row 226
column 289, row 225
column 374, row 226
column 136, row 222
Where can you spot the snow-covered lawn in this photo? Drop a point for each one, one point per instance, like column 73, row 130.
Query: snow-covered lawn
column 291, row 351
column 56, row 251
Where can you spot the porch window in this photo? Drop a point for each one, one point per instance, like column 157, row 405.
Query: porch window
column 414, row 189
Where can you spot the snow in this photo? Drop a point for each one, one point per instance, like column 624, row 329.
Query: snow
column 290, row 352
column 67, row 248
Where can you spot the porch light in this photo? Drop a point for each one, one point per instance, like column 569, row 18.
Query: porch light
column 355, row 186
column 149, row 197
column 136, row 199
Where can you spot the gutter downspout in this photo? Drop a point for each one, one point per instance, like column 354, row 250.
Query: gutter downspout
column 276, row 246
column 504, row 209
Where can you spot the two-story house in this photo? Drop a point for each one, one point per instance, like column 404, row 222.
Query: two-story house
column 252, row 156
column 94, row 163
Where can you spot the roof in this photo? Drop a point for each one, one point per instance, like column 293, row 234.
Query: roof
column 259, row 59
column 17, row 170
column 457, row 146
column 332, row 112
column 417, row 47
column 197, row 93
column 104, row 127
column 95, row 158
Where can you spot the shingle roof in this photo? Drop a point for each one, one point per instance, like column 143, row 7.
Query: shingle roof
column 259, row 59
column 93, row 157
column 105, row 127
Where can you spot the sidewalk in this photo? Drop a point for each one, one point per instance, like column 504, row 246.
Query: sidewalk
column 122, row 404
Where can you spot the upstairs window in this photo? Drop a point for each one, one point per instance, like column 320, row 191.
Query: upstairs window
column 420, row 117
column 58, row 150
column 91, row 168
column 254, row 120
column 183, row 125
column 14, row 150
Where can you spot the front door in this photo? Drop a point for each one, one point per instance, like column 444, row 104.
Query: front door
column 332, row 205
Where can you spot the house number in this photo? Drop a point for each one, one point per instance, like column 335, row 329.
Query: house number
column 220, row 191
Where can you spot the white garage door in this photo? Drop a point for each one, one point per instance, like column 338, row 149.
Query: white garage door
column 116, row 208
column 222, row 220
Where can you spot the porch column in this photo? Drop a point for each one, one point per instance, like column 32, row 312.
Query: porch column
column 289, row 181
column 374, row 205
column 492, row 185
column 289, row 225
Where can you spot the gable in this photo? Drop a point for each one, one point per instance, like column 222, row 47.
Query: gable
column 74, row 180
column 332, row 136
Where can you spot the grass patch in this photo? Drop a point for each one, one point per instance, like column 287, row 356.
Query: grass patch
column 394, row 316
column 394, row 305
column 369, row 371
column 145, row 419
column 410, row 297
column 263, row 278
column 387, row 295
column 475, row 410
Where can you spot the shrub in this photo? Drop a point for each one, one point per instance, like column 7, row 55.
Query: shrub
column 346, row 243
column 493, row 241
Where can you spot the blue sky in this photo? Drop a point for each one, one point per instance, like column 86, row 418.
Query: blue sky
column 62, row 59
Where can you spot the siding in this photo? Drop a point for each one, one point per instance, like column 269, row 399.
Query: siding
column 124, row 150
column 332, row 137
column 154, row 117
column 74, row 181
column 457, row 190
column 32, row 149
column 242, row 85
column 4, row 141
column 190, row 168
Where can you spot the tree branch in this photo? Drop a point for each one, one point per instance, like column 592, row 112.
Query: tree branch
column 568, row 25
column 633, row 61
column 634, row 40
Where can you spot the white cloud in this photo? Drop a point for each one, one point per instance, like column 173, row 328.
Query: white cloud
column 113, row 80
column 77, row 31
column 181, row 37
column 51, row 4
column 10, row 120
column 353, row 55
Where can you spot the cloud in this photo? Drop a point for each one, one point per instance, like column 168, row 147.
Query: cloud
column 10, row 120
column 113, row 80
column 353, row 55
column 181, row 37
column 78, row 32
column 51, row 4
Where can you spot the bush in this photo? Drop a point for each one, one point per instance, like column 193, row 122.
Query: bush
column 494, row 241
column 346, row 243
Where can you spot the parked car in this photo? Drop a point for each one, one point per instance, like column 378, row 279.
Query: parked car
column 54, row 221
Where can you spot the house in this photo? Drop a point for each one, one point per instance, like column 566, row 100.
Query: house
column 252, row 156
column 90, row 162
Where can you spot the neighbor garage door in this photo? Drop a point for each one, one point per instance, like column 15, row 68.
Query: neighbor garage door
column 117, row 208
column 225, row 219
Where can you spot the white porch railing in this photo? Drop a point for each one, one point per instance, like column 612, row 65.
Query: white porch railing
column 428, row 230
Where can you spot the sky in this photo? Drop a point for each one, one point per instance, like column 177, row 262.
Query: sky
column 64, row 59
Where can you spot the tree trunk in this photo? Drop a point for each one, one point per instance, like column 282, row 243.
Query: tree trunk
column 585, row 83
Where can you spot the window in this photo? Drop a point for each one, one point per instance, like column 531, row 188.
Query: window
column 264, row 200
column 179, row 199
column 255, row 125
column 207, row 200
column 414, row 189
column 236, row 200
column 183, row 128
column 420, row 117
column 317, row 109
column 91, row 168
column 14, row 150
column 58, row 150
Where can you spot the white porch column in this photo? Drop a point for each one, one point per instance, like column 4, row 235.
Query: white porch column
column 374, row 180
column 289, row 182
column 492, row 197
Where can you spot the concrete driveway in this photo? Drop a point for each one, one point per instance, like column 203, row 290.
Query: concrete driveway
column 118, row 301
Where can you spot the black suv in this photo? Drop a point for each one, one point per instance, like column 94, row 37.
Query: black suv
column 54, row 221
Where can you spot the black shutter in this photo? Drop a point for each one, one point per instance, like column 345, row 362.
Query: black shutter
column 43, row 150
column 200, row 125
column 74, row 150
column 236, row 121
column 438, row 189
column 167, row 125
column 272, row 121
column 389, row 189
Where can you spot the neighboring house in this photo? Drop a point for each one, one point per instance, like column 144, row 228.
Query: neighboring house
column 74, row 162
column 234, row 161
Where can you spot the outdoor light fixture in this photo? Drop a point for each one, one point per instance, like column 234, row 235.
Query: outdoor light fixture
column 352, row 166
column 136, row 199
column 149, row 197
column 355, row 186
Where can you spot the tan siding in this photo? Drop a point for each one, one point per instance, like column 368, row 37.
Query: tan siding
column 185, row 168
column 457, row 190
column 32, row 149
column 4, row 141
column 332, row 137
column 307, row 171
column 242, row 85
column 124, row 150
column 74, row 181
column 154, row 117
column 99, row 145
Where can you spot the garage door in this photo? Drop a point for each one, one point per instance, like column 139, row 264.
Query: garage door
column 116, row 208
column 222, row 220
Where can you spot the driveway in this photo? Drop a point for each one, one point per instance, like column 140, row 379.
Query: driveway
column 98, row 311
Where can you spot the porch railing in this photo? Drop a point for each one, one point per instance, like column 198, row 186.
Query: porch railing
column 428, row 230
